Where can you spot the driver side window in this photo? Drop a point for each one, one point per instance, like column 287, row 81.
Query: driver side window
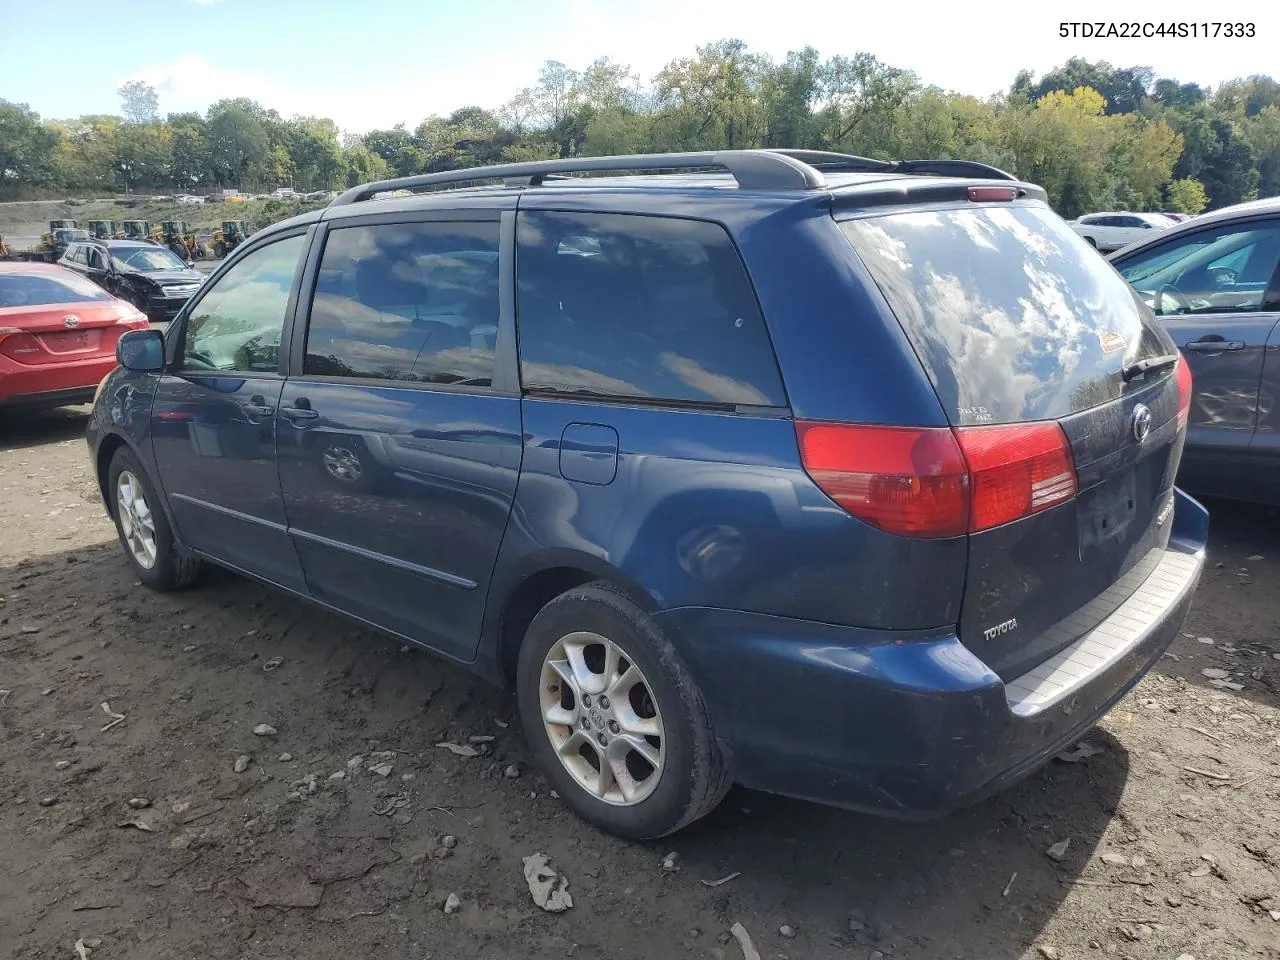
column 238, row 323
column 1222, row 270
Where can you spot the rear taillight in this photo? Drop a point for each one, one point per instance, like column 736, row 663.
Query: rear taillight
column 938, row 481
column 1183, row 373
column 1015, row 471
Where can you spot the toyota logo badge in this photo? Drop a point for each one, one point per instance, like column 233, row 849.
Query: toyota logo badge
column 1141, row 422
column 71, row 321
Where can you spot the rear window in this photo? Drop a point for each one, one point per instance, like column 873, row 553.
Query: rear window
column 1013, row 315
column 38, row 289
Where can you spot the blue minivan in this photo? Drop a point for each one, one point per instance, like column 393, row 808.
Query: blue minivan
column 841, row 478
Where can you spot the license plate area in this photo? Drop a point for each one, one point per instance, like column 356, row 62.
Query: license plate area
column 1106, row 514
column 71, row 341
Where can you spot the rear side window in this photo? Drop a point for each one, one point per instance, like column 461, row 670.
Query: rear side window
column 634, row 307
column 1012, row 314
column 414, row 302
column 38, row 289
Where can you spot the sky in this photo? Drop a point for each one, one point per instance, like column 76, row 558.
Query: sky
column 374, row 63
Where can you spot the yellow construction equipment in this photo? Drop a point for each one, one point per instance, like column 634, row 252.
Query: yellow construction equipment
column 227, row 237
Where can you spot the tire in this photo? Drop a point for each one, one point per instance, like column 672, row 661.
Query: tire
column 692, row 773
column 170, row 569
column 220, row 249
column 180, row 250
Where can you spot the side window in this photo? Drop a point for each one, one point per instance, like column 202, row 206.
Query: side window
column 238, row 323
column 75, row 253
column 414, row 302
column 622, row 306
column 95, row 259
column 1222, row 270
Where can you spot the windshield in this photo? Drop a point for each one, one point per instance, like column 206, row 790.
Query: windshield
column 30, row 290
column 147, row 259
column 1012, row 315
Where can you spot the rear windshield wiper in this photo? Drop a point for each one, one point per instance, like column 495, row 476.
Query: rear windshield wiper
column 1141, row 367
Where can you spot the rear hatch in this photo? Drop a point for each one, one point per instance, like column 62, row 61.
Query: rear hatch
column 55, row 317
column 1052, row 373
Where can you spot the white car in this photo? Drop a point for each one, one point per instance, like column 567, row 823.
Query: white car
column 1113, row 230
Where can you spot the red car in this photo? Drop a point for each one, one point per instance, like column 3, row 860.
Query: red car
column 58, row 334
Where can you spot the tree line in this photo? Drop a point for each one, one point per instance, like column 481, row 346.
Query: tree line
column 1095, row 136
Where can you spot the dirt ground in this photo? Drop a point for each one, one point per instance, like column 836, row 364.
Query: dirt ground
column 318, row 850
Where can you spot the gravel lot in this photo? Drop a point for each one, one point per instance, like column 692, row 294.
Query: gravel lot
column 346, row 829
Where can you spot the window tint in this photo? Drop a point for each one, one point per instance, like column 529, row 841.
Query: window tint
column 644, row 307
column 237, row 325
column 1222, row 270
column 407, row 301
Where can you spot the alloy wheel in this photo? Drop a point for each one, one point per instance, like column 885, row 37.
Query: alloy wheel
column 601, row 717
column 136, row 522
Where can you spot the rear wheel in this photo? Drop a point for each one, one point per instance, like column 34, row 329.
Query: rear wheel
column 614, row 718
column 220, row 249
column 144, row 529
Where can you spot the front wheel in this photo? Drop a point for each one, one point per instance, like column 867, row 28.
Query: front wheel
column 220, row 249
column 144, row 529
column 614, row 718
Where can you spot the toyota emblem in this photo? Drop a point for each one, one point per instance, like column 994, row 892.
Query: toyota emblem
column 1141, row 422
column 71, row 321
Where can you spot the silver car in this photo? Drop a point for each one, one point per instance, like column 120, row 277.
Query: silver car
column 1215, row 283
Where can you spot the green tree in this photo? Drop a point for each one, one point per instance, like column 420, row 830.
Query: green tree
column 238, row 142
column 190, row 158
column 139, row 102
column 26, row 147
column 863, row 96
column 1187, row 196
column 143, row 152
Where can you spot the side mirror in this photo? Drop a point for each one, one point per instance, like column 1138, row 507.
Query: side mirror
column 191, row 264
column 141, row 351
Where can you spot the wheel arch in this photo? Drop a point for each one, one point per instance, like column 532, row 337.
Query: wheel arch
column 537, row 581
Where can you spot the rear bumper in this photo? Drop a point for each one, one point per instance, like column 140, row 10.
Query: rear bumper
column 51, row 384
column 916, row 725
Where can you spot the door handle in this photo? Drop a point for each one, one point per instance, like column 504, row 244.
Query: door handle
column 258, row 407
column 298, row 413
column 1213, row 346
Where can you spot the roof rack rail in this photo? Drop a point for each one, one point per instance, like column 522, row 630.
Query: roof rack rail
column 753, row 169
column 846, row 162
column 831, row 162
